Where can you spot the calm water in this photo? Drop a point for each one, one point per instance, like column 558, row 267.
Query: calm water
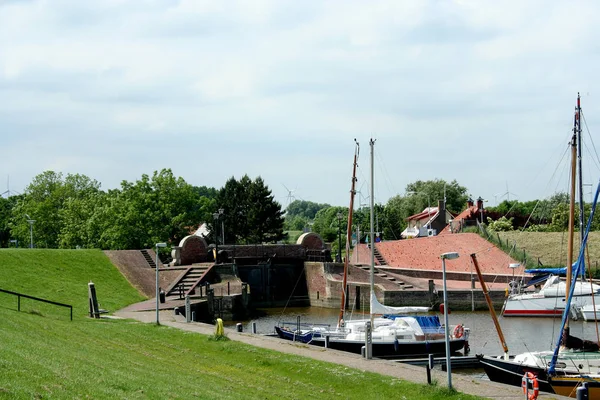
column 521, row 334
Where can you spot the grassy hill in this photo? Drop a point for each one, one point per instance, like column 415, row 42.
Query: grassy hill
column 63, row 276
column 551, row 247
column 45, row 355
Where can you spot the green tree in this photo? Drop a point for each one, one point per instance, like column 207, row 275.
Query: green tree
column 434, row 190
column 251, row 215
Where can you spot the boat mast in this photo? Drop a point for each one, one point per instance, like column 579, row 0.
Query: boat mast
column 577, row 129
column 349, row 235
column 372, row 238
column 571, row 209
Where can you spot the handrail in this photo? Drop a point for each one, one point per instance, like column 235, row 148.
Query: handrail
column 19, row 295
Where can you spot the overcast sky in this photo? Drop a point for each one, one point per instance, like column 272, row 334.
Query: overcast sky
column 478, row 91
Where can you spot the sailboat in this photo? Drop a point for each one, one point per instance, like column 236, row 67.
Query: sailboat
column 576, row 357
column 393, row 333
column 550, row 299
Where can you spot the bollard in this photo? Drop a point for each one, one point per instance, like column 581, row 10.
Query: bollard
column 188, row 309
column 326, row 341
column 254, row 328
column 582, row 392
column 193, row 315
column 429, row 368
column 363, row 352
column 176, row 311
column 239, row 327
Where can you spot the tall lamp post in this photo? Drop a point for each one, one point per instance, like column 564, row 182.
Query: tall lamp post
column 157, row 288
column 216, row 235
column 339, row 256
column 444, row 257
column 31, row 222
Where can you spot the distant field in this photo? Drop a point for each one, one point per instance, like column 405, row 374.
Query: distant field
column 44, row 355
column 551, row 247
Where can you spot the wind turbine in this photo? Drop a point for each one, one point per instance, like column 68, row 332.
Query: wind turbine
column 290, row 196
column 505, row 194
column 8, row 191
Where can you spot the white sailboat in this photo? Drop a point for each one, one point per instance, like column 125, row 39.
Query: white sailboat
column 394, row 334
column 549, row 301
column 573, row 356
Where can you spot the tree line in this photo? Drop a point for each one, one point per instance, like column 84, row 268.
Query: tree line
column 72, row 211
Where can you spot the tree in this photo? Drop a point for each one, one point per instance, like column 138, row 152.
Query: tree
column 434, row 190
column 250, row 211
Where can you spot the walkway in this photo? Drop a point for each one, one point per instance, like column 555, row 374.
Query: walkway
column 462, row 383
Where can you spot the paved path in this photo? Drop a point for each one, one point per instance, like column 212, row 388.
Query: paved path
column 462, row 383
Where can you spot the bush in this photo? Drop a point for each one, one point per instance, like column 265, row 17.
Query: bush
column 500, row 225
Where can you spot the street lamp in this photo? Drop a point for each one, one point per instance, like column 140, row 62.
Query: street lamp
column 216, row 235
column 444, row 257
column 221, row 215
column 339, row 257
column 157, row 289
column 31, row 222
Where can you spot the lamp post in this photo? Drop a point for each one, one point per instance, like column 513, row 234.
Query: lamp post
column 157, row 288
column 444, row 257
column 31, row 222
column 339, row 257
column 222, row 215
column 216, row 235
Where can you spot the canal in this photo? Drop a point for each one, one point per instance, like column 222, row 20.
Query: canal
column 522, row 334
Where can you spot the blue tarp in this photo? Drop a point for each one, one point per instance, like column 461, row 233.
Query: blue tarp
column 556, row 271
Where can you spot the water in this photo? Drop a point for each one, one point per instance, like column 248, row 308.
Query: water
column 521, row 334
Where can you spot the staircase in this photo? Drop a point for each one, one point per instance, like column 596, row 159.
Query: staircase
column 148, row 258
column 383, row 275
column 379, row 257
column 191, row 276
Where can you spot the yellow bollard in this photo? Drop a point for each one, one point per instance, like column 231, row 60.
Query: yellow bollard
column 219, row 331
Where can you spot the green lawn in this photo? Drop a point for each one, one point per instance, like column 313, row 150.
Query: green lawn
column 44, row 355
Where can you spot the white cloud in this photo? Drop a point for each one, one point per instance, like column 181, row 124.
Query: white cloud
column 464, row 90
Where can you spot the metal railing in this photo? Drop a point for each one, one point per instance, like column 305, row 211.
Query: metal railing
column 19, row 295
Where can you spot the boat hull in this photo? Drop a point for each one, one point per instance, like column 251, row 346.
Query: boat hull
column 511, row 373
column 567, row 385
column 536, row 305
column 380, row 349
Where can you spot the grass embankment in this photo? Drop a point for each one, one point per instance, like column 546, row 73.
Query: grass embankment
column 551, row 247
column 47, row 356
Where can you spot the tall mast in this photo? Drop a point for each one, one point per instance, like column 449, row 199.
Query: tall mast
column 577, row 130
column 571, row 210
column 349, row 235
column 372, row 238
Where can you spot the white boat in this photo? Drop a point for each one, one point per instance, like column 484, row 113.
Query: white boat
column 393, row 333
column 549, row 301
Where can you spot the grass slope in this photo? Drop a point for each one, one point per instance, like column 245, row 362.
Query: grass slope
column 551, row 247
column 47, row 356
column 63, row 276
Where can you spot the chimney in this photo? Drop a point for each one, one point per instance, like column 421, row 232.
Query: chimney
column 480, row 203
column 469, row 202
column 441, row 208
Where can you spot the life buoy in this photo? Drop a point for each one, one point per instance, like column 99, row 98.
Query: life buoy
column 530, row 377
column 459, row 331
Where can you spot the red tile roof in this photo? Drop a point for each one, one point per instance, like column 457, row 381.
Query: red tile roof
column 424, row 254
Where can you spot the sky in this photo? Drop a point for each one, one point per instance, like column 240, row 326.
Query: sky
column 481, row 92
